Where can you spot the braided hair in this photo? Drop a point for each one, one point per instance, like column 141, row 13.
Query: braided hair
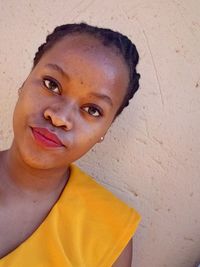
column 108, row 38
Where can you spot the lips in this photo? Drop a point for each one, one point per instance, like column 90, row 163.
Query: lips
column 45, row 137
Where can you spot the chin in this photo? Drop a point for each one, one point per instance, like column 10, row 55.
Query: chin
column 31, row 157
column 36, row 160
column 34, row 156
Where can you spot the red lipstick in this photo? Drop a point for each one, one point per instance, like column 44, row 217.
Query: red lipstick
column 46, row 138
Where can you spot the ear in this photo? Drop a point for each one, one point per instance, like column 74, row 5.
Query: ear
column 20, row 89
column 101, row 139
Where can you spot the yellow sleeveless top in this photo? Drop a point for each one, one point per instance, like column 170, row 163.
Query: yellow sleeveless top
column 87, row 227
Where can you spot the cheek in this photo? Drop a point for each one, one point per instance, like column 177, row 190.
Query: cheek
column 33, row 96
column 19, row 112
column 27, row 105
column 89, row 134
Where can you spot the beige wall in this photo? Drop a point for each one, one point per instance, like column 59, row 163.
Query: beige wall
column 150, row 157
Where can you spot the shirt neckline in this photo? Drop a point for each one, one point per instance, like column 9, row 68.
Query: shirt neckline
column 46, row 219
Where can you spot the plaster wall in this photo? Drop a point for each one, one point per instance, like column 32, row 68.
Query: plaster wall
column 151, row 155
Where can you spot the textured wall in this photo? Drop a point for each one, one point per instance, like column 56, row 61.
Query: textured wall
column 150, row 157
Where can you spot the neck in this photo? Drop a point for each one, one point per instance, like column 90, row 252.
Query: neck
column 19, row 176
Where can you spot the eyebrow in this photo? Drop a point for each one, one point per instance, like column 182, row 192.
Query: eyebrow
column 58, row 69
column 103, row 97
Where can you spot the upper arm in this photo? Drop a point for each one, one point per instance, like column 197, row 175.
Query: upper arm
column 125, row 258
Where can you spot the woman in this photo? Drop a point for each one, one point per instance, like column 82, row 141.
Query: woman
column 51, row 213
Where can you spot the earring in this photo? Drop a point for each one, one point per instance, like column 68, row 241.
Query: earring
column 101, row 139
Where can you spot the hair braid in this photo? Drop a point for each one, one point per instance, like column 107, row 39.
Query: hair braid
column 109, row 38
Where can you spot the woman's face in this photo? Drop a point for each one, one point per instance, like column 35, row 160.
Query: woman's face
column 74, row 92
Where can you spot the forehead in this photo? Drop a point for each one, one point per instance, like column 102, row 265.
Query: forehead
column 85, row 57
column 85, row 45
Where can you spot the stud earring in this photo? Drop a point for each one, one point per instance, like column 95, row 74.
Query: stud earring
column 101, row 139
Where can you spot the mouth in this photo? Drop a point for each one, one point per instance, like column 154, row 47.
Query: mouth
column 46, row 138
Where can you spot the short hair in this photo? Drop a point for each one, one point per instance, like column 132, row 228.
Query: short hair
column 108, row 37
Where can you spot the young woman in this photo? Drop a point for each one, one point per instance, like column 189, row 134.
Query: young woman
column 51, row 212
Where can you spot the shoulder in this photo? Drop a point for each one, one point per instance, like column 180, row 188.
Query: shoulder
column 111, row 220
column 91, row 192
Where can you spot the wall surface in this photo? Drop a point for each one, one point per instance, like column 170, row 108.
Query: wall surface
column 151, row 155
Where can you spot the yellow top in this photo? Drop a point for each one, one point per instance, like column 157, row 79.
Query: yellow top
column 87, row 227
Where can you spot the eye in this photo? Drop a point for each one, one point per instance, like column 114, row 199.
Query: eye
column 51, row 85
column 93, row 111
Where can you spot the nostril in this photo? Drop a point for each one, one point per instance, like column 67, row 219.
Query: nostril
column 67, row 126
column 64, row 127
column 47, row 117
column 58, row 119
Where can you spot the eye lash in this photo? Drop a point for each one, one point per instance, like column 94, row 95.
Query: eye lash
column 50, row 79
column 99, row 110
column 101, row 113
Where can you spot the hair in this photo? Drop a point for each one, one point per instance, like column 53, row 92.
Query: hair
column 108, row 38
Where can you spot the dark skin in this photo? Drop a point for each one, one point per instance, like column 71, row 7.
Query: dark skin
column 74, row 91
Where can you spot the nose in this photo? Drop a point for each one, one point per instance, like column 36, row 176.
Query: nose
column 59, row 117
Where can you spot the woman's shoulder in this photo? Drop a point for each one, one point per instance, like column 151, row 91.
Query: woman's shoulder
column 99, row 199
column 112, row 221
